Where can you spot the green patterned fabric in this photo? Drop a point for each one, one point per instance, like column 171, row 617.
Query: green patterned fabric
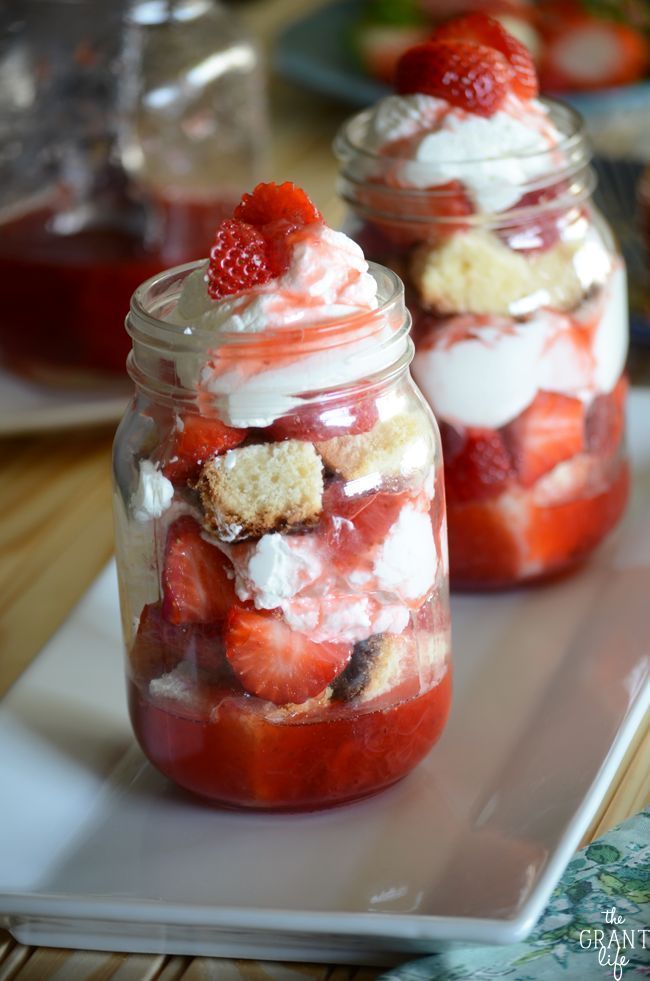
column 596, row 925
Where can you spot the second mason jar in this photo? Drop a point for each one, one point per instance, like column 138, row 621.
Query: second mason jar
column 283, row 583
column 521, row 333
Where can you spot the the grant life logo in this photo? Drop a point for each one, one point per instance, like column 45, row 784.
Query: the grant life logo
column 613, row 941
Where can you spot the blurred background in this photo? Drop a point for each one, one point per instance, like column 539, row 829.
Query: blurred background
column 129, row 127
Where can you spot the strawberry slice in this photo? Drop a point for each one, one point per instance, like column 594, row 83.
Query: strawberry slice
column 544, row 229
column 276, row 663
column 374, row 519
column 397, row 212
column 314, row 423
column 195, row 580
column 152, row 653
column 584, row 52
column 481, row 29
column 549, row 431
column 477, row 468
column 159, row 646
column 353, row 526
column 271, row 202
column 605, row 423
column 471, row 76
column 196, row 440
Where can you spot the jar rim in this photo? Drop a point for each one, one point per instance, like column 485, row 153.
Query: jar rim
column 175, row 362
column 571, row 178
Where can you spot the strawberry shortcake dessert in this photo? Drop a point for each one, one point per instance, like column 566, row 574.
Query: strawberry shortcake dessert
column 478, row 194
column 280, row 519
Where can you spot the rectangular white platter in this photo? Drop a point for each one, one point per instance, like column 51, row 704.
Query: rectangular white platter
column 99, row 851
column 29, row 407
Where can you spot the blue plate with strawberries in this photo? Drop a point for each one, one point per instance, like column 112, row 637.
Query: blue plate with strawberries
column 318, row 51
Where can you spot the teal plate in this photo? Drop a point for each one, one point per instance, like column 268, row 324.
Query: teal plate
column 316, row 51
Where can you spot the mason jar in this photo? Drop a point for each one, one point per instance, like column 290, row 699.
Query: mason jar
column 281, row 553
column 518, row 296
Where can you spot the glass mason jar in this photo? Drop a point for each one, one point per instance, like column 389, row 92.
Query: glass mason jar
column 283, row 584
column 521, row 333
column 111, row 115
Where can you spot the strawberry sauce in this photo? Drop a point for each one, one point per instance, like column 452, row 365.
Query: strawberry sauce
column 490, row 547
column 239, row 758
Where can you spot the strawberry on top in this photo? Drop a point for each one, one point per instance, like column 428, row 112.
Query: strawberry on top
column 472, row 62
column 481, row 29
column 251, row 248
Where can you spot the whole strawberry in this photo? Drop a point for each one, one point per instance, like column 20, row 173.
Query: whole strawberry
column 481, row 29
column 468, row 75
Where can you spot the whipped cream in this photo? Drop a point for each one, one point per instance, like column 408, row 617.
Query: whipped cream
column 487, row 374
column 154, row 493
column 275, row 568
column 406, row 562
column 514, row 145
column 344, row 618
column 327, row 280
column 294, row 573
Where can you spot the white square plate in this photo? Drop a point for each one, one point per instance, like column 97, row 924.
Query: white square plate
column 99, row 851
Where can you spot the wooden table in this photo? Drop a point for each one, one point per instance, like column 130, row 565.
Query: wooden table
column 56, row 536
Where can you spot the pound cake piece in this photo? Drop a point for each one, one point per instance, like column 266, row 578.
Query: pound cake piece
column 474, row 272
column 253, row 490
column 392, row 448
column 399, row 663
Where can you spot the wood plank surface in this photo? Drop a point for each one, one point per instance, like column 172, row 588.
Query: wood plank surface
column 56, row 535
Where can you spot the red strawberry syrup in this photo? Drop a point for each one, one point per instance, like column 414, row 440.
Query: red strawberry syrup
column 64, row 297
column 239, row 758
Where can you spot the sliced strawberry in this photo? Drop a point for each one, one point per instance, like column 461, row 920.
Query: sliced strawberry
column 355, row 525
column 159, row 646
column 468, row 75
column 196, row 584
column 478, row 468
column 336, row 503
column 397, row 213
column 374, row 520
column 484, row 548
column 152, row 654
column 239, row 259
column 276, row 663
column 277, row 202
column 280, row 238
column 546, row 433
column 196, row 440
column 605, row 422
column 314, row 423
column 585, row 52
column 480, row 28
column 543, row 230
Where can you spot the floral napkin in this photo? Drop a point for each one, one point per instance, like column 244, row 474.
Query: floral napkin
column 596, row 925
